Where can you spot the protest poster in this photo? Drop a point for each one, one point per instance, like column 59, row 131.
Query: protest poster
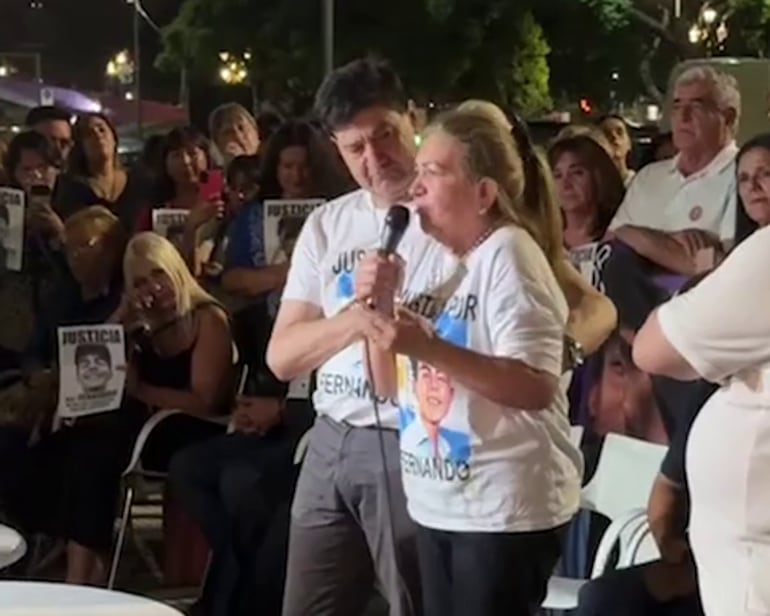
column 282, row 222
column 92, row 369
column 609, row 393
column 11, row 228
column 170, row 224
column 589, row 260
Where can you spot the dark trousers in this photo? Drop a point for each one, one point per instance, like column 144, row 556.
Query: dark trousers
column 486, row 574
column 624, row 592
column 237, row 488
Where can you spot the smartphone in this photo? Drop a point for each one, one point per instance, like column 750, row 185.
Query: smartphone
column 212, row 185
column 39, row 197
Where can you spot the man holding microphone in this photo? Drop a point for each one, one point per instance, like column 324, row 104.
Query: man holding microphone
column 349, row 514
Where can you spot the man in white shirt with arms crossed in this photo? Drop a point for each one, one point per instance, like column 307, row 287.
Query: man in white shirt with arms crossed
column 676, row 208
column 679, row 215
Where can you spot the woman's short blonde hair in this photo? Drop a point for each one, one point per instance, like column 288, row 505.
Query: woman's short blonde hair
column 148, row 251
column 229, row 113
column 489, row 110
column 525, row 189
column 97, row 219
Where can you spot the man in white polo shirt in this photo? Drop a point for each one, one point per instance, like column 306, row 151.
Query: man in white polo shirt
column 676, row 208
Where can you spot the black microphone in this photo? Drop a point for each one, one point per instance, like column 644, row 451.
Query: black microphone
column 396, row 222
column 393, row 231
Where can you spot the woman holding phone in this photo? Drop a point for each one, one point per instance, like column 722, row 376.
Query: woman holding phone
column 490, row 474
column 188, row 182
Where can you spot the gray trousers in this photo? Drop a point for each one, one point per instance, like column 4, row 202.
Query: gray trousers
column 340, row 541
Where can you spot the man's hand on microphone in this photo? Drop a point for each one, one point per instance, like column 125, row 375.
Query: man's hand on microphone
column 378, row 279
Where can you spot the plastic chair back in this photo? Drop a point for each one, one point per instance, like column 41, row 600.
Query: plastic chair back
column 624, row 476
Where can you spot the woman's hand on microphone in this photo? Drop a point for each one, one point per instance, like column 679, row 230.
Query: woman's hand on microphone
column 378, row 278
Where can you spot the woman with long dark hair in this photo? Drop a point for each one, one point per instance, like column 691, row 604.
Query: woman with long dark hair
column 95, row 175
column 299, row 162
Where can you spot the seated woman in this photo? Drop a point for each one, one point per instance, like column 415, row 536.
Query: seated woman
column 30, row 165
column 588, row 186
column 185, row 177
column 95, row 176
column 180, row 358
column 93, row 244
column 298, row 163
column 490, row 475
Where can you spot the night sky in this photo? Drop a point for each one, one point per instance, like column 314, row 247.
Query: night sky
column 77, row 37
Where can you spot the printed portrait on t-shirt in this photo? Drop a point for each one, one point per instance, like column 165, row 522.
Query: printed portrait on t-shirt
column 93, row 367
column 429, row 401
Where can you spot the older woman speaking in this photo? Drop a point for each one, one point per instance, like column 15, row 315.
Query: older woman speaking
column 490, row 475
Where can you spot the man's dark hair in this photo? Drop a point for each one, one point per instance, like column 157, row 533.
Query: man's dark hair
column 246, row 165
column 98, row 350
column 46, row 113
column 361, row 84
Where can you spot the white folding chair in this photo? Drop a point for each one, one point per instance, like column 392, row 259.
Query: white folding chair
column 138, row 480
column 619, row 490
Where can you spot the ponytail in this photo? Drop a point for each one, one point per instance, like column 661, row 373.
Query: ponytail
column 538, row 199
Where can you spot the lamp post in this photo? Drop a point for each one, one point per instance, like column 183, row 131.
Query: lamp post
column 328, row 35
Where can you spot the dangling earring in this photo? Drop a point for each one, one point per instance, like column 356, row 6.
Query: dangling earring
column 483, row 212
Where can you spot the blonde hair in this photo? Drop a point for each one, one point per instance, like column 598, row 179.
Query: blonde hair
column 489, row 110
column 525, row 190
column 97, row 219
column 149, row 250
column 226, row 114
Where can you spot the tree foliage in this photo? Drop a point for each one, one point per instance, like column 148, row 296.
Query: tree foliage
column 444, row 49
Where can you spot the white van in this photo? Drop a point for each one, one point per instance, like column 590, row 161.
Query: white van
column 753, row 76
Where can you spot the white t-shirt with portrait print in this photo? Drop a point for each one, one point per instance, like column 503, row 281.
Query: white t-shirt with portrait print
column 334, row 238
column 470, row 464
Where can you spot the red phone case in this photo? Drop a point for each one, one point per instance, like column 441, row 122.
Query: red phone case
column 211, row 189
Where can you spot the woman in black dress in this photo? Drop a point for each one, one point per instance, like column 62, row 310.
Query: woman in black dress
column 95, row 176
column 181, row 358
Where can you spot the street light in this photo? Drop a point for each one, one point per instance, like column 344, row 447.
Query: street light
column 709, row 15
column 234, row 69
column 121, row 67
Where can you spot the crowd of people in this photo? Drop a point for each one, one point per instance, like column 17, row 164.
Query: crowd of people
column 533, row 288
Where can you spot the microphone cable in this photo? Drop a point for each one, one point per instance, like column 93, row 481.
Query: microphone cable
column 410, row 611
